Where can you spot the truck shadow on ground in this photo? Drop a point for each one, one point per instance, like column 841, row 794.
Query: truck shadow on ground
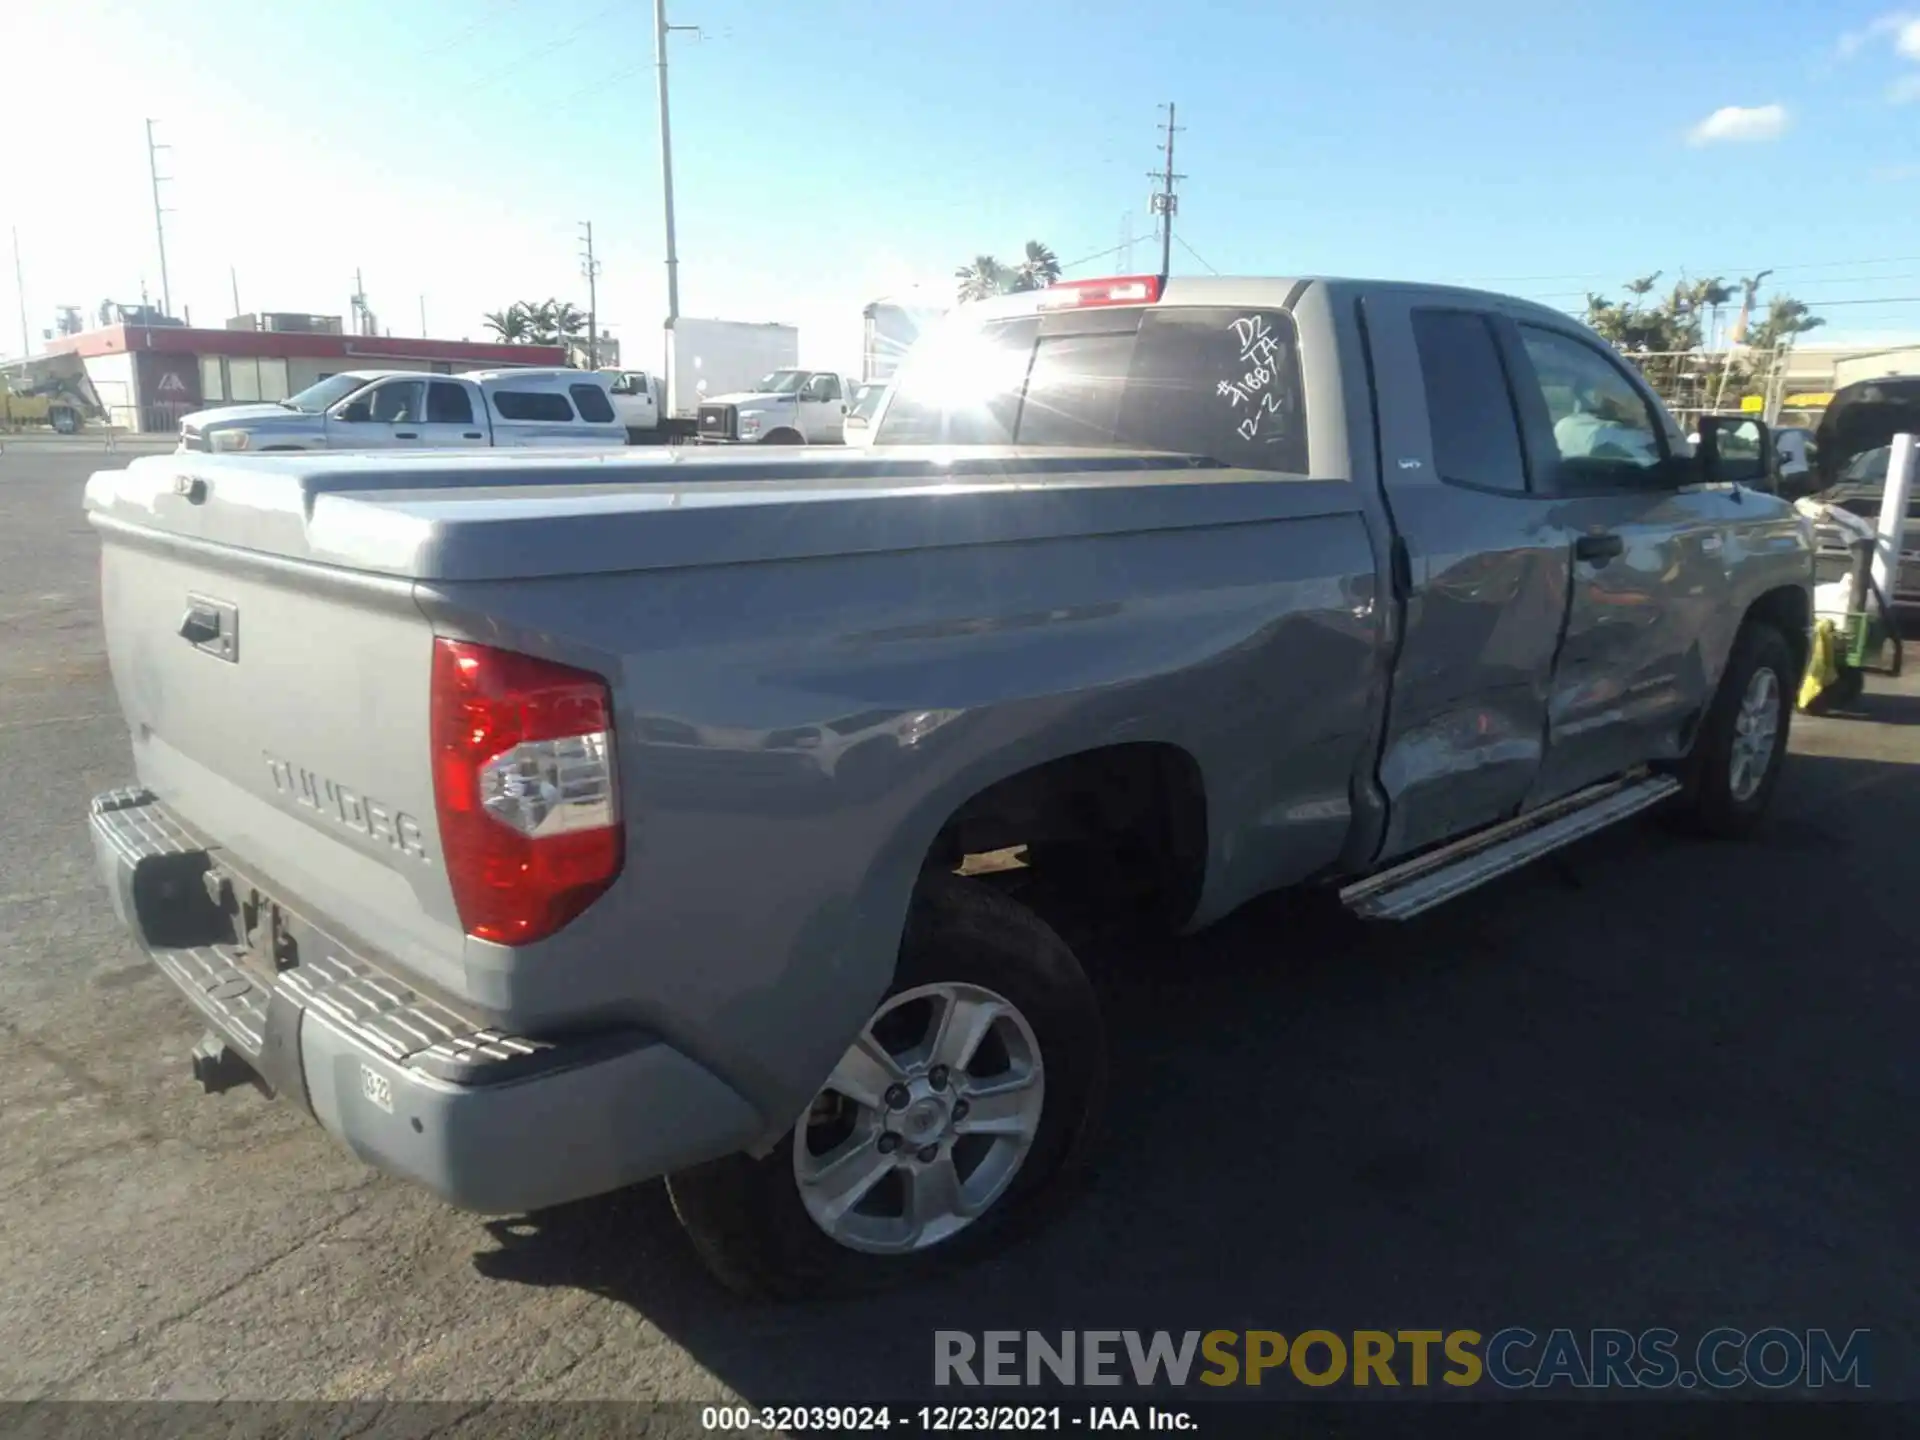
column 1650, row 1086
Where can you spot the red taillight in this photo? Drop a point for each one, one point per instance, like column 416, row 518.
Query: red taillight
column 523, row 780
column 1081, row 294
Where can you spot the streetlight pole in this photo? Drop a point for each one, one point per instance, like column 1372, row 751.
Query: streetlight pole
column 159, row 224
column 20, row 284
column 661, row 29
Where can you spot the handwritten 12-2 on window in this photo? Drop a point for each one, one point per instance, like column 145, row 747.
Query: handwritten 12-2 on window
column 1259, row 352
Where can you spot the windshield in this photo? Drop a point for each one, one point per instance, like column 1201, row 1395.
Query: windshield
column 782, row 382
column 866, row 400
column 326, row 393
column 1868, row 467
column 1209, row 381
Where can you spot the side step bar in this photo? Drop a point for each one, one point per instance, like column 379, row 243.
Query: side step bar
column 1419, row 884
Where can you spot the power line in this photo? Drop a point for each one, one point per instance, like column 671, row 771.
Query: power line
column 1089, row 259
column 520, row 63
column 496, row 12
column 1195, row 253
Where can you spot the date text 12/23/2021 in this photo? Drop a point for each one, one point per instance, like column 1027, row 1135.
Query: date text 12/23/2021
column 941, row 1419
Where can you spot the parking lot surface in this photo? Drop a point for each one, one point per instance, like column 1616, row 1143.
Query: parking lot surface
column 1664, row 1083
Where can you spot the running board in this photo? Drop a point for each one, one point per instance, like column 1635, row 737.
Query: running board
column 1431, row 879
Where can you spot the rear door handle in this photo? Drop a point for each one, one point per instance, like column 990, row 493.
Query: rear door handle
column 406, row 434
column 471, row 435
column 1598, row 548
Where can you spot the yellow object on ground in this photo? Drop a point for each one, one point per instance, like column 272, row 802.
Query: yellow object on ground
column 1823, row 665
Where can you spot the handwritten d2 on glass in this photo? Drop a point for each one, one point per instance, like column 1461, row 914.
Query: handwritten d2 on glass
column 1256, row 386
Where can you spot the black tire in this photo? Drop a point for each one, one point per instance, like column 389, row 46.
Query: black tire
column 1709, row 804
column 783, row 437
column 745, row 1216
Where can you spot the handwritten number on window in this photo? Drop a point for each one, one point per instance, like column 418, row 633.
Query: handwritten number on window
column 1259, row 352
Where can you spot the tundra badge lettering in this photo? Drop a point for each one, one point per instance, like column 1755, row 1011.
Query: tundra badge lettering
column 343, row 805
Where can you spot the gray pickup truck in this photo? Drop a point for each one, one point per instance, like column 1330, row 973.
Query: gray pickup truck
column 542, row 824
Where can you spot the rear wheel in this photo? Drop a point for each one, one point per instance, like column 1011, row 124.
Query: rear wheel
column 967, row 1100
column 1735, row 765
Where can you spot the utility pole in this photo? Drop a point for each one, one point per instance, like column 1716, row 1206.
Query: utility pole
column 423, row 317
column 20, row 284
column 1165, row 203
column 590, row 268
column 159, row 225
column 362, row 316
column 661, row 29
column 233, row 277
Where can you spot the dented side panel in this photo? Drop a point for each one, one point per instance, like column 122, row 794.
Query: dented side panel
column 1485, row 575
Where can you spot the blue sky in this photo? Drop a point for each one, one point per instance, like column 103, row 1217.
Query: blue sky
column 831, row 152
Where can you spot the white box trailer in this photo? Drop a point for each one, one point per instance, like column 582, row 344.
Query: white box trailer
column 709, row 357
column 889, row 331
column 718, row 357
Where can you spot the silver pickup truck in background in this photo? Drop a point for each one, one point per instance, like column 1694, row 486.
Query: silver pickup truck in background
column 548, row 824
column 409, row 410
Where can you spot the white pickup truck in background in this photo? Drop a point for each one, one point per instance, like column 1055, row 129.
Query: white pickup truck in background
column 709, row 358
column 406, row 409
column 787, row 407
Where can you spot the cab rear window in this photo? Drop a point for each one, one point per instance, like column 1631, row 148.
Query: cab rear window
column 1192, row 380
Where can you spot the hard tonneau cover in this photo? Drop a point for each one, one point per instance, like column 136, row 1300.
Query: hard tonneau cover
column 505, row 515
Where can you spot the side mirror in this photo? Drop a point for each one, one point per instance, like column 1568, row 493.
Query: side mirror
column 1735, row 449
column 355, row 412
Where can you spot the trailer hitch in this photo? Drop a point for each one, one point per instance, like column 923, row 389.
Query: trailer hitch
column 219, row 1067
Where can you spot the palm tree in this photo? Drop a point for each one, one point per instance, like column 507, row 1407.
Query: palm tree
column 1713, row 294
column 541, row 318
column 510, row 324
column 1038, row 269
column 1786, row 318
column 984, row 278
column 568, row 319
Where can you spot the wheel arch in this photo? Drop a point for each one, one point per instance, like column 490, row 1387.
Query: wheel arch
column 1788, row 609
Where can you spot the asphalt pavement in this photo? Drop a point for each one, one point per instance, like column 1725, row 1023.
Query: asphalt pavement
column 1667, row 1082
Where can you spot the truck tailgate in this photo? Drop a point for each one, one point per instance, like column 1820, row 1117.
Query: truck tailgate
column 280, row 708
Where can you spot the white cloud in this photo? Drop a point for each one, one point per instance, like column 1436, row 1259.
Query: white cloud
column 1903, row 25
column 1740, row 122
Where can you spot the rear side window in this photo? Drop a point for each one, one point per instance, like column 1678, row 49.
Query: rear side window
column 532, row 405
column 1208, row 381
column 1476, row 435
column 592, row 402
column 448, row 405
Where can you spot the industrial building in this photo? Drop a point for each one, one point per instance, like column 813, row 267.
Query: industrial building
column 148, row 376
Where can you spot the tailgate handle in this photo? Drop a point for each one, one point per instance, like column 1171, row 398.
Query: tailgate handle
column 213, row 627
column 201, row 625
